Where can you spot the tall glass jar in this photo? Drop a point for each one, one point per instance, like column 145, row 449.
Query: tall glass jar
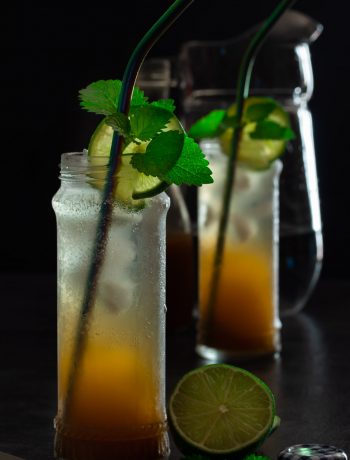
column 243, row 321
column 111, row 392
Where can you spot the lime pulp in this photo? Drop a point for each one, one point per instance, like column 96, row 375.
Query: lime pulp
column 221, row 410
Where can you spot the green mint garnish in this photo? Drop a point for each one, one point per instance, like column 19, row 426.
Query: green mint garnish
column 147, row 121
column 191, row 168
column 270, row 130
column 208, row 126
column 218, row 121
column 169, row 154
column 166, row 104
column 102, row 97
column 153, row 162
column 260, row 111
column 229, row 122
column 120, row 123
column 256, row 457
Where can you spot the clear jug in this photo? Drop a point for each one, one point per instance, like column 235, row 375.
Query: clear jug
column 283, row 70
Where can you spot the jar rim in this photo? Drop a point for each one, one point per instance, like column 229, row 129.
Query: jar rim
column 78, row 165
column 81, row 160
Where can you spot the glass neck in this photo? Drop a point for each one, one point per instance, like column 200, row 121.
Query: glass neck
column 79, row 167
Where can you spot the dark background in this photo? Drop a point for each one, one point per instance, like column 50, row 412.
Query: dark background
column 49, row 53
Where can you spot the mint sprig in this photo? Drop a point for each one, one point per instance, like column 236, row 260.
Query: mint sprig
column 270, row 130
column 153, row 162
column 166, row 104
column 218, row 121
column 120, row 123
column 169, row 154
column 147, row 121
column 102, row 97
column 191, row 167
column 260, row 111
column 209, row 126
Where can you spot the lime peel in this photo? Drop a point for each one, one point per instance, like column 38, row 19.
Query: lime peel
column 132, row 185
column 256, row 154
column 265, row 131
column 221, row 410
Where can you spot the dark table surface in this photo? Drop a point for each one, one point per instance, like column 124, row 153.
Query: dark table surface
column 310, row 379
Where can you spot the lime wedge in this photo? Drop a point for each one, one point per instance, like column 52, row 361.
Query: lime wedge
column 221, row 410
column 132, row 185
column 256, row 154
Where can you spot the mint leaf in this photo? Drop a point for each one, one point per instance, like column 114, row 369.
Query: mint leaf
column 146, row 121
column 102, row 97
column 230, row 122
column 166, row 104
column 191, row 168
column 260, row 111
column 270, row 130
column 256, row 457
column 208, row 126
column 161, row 154
column 138, row 97
column 120, row 123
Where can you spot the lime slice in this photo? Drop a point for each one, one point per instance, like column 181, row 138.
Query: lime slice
column 132, row 185
column 221, row 410
column 256, row 154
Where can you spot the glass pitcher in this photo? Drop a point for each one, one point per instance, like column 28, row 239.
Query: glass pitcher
column 282, row 70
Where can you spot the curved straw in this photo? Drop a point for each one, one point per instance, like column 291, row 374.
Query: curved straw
column 134, row 64
column 243, row 84
column 129, row 78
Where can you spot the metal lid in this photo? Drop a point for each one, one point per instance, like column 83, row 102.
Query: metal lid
column 312, row 452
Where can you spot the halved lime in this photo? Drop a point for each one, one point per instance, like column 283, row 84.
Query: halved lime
column 221, row 410
column 257, row 154
column 132, row 185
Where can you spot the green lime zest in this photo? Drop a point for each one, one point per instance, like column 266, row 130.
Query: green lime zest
column 159, row 188
column 248, row 457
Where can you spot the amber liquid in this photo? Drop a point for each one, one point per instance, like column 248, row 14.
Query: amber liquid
column 113, row 411
column 242, row 320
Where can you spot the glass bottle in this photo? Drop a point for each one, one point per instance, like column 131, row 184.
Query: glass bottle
column 111, row 387
column 282, row 70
